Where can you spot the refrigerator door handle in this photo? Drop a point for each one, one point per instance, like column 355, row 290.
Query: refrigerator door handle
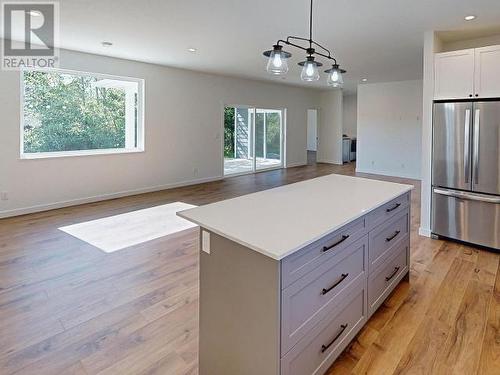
column 468, row 196
column 467, row 146
column 477, row 117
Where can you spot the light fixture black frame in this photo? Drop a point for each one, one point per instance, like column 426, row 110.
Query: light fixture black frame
column 311, row 51
column 310, row 59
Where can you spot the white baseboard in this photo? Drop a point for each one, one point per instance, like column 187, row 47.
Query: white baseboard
column 388, row 173
column 103, row 197
column 426, row 232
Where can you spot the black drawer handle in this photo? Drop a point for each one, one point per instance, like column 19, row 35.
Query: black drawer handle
column 396, row 269
column 344, row 237
column 342, row 278
column 342, row 329
column 393, row 208
column 389, row 239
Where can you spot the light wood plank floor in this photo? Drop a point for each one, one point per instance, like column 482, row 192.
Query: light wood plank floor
column 68, row 308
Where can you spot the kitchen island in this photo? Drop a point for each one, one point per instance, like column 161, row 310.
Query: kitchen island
column 289, row 275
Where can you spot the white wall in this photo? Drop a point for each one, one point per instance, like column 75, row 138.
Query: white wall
column 183, row 130
column 312, row 129
column 431, row 45
column 350, row 115
column 468, row 43
column 330, row 127
column 390, row 128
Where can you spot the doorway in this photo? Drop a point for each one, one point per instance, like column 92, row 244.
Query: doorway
column 312, row 136
column 253, row 139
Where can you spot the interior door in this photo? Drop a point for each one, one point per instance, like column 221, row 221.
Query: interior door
column 312, row 129
column 486, row 143
column 451, row 160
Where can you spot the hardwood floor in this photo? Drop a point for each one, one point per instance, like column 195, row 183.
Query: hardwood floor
column 66, row 307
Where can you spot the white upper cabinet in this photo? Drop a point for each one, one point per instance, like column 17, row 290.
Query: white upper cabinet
column 487, row 72
column 469, row 73
column 454, row 74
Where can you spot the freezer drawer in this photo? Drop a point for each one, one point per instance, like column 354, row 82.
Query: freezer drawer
column 468, row 217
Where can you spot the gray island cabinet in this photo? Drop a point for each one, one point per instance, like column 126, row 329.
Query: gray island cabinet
column 288, row 276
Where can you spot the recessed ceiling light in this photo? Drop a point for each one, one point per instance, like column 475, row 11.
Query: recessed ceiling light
column 192, row 49
column 35, row 13
column 107, row 44
column 364, row 79
column 470, row 18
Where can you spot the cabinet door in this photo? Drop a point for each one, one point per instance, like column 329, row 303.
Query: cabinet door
column 454, row 74
column 487, row 72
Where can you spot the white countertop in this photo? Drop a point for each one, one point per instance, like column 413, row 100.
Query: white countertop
column 280, row 221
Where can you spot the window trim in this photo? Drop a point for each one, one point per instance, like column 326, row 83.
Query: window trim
column 113, row 151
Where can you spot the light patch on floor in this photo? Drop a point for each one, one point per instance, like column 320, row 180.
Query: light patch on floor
column 121, row 231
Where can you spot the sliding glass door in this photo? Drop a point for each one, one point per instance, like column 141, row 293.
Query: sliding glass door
column 268, row 138
column 253, row 139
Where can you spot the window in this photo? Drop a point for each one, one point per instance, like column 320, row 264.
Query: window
column 72, row 113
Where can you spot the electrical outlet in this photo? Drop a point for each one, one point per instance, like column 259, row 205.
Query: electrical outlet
column 195, row 172
column 373, row 163
column 403, row 165
column 4, row 196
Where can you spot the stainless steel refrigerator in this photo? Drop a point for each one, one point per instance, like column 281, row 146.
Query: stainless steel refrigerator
column 466, row 172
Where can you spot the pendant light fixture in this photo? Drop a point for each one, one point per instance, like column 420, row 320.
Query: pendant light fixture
column 277, row 63
column 310, row 71
column 335, row 76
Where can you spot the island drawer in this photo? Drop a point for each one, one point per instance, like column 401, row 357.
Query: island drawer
column 386, row 237
column 308, row 300
column 310, row 257
column 381, row 283
column 388, row 210
column 315, row 352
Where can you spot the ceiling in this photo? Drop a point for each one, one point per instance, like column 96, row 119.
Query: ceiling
column 381, row 40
